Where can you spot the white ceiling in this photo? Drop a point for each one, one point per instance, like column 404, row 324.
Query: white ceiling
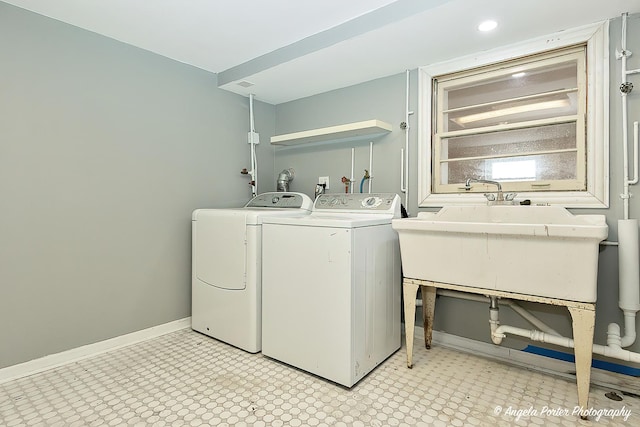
column 290, row 49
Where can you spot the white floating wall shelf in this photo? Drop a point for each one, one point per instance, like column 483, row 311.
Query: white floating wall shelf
column 341, row 133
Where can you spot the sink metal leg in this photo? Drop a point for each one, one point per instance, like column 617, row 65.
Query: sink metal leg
column 428, row 311
column 584, row 320
column 410, row 292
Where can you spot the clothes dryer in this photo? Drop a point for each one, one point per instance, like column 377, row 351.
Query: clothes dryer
column 226, row 267
column 331, row 286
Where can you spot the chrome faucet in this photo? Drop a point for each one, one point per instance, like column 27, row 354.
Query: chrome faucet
column 499, row 197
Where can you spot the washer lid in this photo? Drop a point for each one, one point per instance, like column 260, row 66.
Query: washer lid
column 247, row 216
column 331, row 220
column 251, row 216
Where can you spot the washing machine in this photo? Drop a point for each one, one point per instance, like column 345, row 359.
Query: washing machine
column 331, row 285
column 226, row 281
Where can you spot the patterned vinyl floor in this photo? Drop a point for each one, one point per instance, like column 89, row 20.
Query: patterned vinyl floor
column 187, row 379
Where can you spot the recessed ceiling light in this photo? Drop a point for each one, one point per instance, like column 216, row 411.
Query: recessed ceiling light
column 487, row 25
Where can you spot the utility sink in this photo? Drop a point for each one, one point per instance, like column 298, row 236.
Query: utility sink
column 544, row 251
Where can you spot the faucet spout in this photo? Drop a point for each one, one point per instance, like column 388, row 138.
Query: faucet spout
column 499, row 196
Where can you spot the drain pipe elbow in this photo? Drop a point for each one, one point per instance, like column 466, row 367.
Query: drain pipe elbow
column 629, row 328
column 502, row 330
column 494, row 322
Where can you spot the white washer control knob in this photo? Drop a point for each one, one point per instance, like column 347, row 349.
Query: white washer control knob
column 371, row 202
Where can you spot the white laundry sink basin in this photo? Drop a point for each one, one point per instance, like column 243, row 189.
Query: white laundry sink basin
column 533, row 250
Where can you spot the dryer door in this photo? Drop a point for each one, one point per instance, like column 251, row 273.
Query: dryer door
column 220, row 249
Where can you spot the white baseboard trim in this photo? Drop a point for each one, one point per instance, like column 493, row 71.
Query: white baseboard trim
column 534, row 362
column 54, row 360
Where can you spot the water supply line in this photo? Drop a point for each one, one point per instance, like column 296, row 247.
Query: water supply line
column 353, row 159
column 404, row 152
column 370, row 164
column 365, row 177
column 367, row 172
column 346, row 183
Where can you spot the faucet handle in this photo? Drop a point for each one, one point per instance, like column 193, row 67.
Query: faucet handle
column 490, row 196
column 510, row 196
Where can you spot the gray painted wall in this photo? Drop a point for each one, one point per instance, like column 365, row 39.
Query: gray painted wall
column 384, row 99
column 105, row 150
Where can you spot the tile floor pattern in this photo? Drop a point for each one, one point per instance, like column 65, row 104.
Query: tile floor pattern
column 187, row 379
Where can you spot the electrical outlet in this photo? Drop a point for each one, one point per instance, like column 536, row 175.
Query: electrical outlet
column 324, row 180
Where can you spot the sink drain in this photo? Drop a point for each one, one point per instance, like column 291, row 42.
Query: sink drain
column 613, row 396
